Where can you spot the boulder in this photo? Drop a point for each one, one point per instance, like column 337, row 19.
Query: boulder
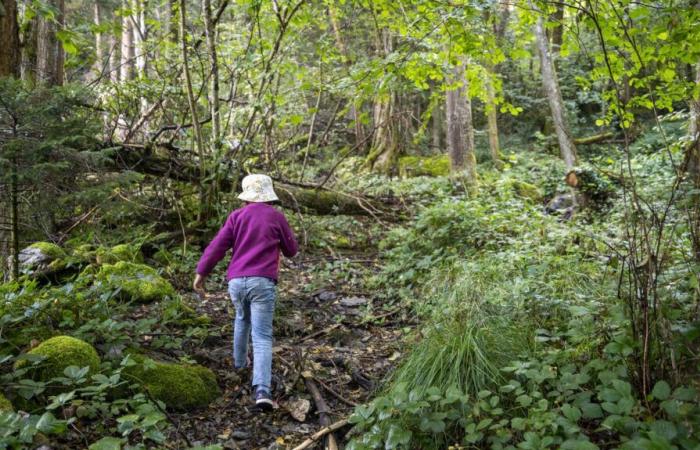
column 42, row 258
column 179, row 386
column 121, row 252
column 138, row 282
column 60, row 352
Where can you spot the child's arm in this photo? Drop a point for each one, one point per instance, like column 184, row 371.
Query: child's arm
column 288, row 244
column 215, row 251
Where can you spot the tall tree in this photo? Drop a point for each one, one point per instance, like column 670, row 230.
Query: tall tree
column 460, row 131
column 210, row 31
column 49, row 50
column 99, row 65
column 9, row 50
column 127, row 64
column 551, row 87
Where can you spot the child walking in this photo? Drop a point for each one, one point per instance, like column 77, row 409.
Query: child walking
column 256, row 233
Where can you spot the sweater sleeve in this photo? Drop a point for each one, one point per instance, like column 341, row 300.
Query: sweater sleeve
column 217, row 248
column 288, row 243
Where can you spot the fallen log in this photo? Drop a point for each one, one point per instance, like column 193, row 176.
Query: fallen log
column 322, row 409
column 160, row 160
column 595, row 139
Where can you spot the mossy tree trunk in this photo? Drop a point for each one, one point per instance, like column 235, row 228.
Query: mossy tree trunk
column 492, row 118
column 9, row 30
column 460, row 131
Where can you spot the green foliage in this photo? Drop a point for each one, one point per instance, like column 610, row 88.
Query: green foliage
column 58, row 353
column 179, row 386
column 5, row 404
column 138, row 282
column 49, row 249
column 434, row 166
column 121, row 252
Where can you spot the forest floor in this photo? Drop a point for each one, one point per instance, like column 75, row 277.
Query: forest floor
column 338, row 335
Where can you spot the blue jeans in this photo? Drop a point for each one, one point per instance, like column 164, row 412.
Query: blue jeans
column 254, row 300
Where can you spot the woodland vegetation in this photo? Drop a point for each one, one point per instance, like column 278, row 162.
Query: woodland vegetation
column 498, row 204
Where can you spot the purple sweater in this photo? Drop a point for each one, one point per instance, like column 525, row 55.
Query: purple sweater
column 256, row 233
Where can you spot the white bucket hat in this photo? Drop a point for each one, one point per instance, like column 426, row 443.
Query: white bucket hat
column 257, row 189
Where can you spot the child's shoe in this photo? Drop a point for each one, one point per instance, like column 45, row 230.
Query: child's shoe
column 263, row 400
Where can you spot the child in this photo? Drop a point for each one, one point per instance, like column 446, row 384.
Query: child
column 256, row 233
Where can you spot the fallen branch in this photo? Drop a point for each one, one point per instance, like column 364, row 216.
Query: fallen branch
column 319, row 333
column 321, row 433
column 322, row 409
column 595, row 139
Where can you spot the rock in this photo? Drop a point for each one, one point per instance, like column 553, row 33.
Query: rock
column 298, row 408
column 138, row 282
column 60, row 352
column 42, row 258
column 179, row 386
column 353, row 301
column 326, row 296
column 121, row 252
column 240, row 435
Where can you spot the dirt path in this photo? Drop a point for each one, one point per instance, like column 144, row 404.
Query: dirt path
column 338, row 334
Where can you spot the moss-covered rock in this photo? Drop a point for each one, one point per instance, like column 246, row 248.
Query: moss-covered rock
column 5, row 405
column 121, row 252
column 434, row 166
column 138, row 282
column 60, row 352
column 42, row 258
column 179, row 386
column 526, row 190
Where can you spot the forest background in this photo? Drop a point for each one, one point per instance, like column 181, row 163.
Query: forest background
column 504, row 194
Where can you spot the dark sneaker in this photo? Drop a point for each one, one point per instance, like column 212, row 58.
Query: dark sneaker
column 263, row 400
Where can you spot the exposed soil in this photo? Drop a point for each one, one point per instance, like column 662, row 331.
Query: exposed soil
column 339, row 336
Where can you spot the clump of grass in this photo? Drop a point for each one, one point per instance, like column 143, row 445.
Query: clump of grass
column 464, row 351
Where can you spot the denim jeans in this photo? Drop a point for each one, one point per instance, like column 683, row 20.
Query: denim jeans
column 254, row 300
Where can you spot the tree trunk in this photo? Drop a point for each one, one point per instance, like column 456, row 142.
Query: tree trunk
column 436, row 128
column 114, row 57
column 492, row 118
column 9, row 30
column 99, row 65
column 210, row 31
column 140, row 31
column 203, row 203
column 340, row 43
column 49, row 51
column 551, row 87
column 694, row 125
column 558, row 30
column 460, row 131
column 126, row 68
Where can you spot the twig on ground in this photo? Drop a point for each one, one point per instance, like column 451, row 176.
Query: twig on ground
column 319, row 333
column 334, row 393
column 320, row 433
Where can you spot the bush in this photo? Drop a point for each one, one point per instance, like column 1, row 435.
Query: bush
column 60, row 352
column 179, row 386
column 138, row 282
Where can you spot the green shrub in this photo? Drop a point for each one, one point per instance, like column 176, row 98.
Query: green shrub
column 179, row 386
column 60, row 352
column 138, row 282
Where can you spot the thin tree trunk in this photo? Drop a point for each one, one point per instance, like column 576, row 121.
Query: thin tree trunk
column 140, row 31
column 126, row 68
column 551, row 87
column 114, row 57
column 9, row 50
column 99, row 38
column 340, row 43
column 203, row 206
column 460, row 131
column 492, row 118
column 49, row 51
column 436, row 131
column 558, row 30
column 210, row 32
column 694, row 125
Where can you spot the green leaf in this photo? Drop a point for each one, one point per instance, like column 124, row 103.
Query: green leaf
column 591, row 411
column 661, row 390
column 107, row 443
column 397, row 436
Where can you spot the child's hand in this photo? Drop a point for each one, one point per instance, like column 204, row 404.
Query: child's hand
column 198, row 284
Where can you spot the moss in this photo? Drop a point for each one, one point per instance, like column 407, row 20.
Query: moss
column 179, row 386
column 60, row 352
column 5, row 404
column 526, row 190
column 138, row 282
column 85, row 252
column 434, row 166
column 121, row 252
column 49, row 249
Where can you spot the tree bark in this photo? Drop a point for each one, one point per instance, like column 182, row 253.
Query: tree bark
column 99, row 65
column 49, row 51
column 126, row 68
column 460, row 131
column 436, row 127
column 114, row 56
column 9, row 30
column 140, row 31
column 694, row 125
column 551, row 87
column 558, row 30
column 492, row 117
column 210, row 31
